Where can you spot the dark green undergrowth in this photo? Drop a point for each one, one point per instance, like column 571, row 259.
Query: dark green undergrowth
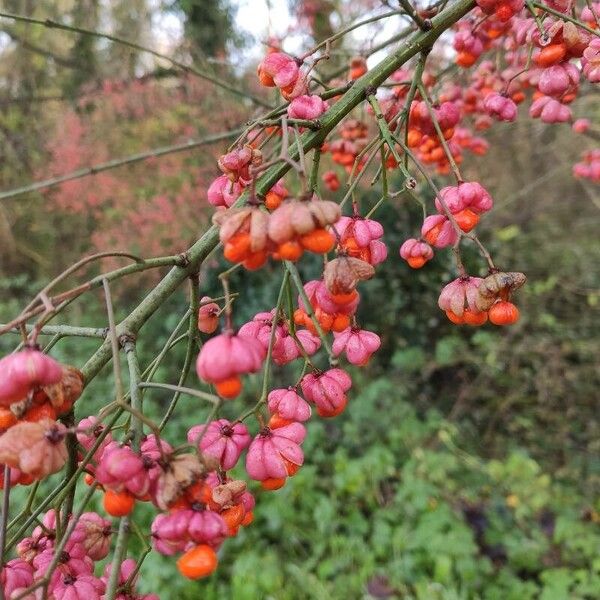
column 390, row 505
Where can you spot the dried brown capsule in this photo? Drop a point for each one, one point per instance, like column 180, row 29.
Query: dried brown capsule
column 225, row 495
column 498, row 286
column 343, row 273
column 178, row 473
column 62, row 395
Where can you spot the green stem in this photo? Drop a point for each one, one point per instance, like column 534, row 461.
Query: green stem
column 314, row 171
column 384, row 130
column 269, row 359
column 135, row 393
column 118, row 557
column 64, row 330
column 291, row 267
column 182, row 390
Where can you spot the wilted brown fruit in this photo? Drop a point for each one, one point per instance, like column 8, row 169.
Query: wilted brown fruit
column 343, row 273
column 496, row 286
column 178, row 473
column 225, row 494
column 62, row 395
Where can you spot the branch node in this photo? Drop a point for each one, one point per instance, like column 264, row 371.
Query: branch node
column 183, row 260
column 370, row 90
column 127, row 340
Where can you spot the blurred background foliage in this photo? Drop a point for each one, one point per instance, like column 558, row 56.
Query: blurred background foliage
column 467, row 465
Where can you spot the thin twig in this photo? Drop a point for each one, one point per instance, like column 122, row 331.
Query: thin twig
column 118, row 162
column 51, row 24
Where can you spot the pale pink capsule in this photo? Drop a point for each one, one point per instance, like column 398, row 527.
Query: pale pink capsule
column 127, row 567
column 459, row 295
column 358, row 345
column 206, row 527
column 15, row 574
column 169, row 532
column 378, row 252
column 120, row 468
column 558, row 79
column 549, row 110
column 581, row 125
column 248, row 501
column 236, row 160
column 228, row 355
column 221, row 439
column 280, row 189
column 310, row 289
column 172, row 532
column 327, row 390
column 260, row 329
column 325, row 302
column 74, row 560
column 97, row 535
column 500, row 107
column 25, row 370
column 37, row 449
column 208, row 315
column 28, row 548
column 448, row 115
column 468, row 194
column 88, row 431
column 47, row 532
column 588, row 13
column 364, row 231
column 589, row 167
column 278, row 69
column 223, row 192
column 590, row 61
column 288, row 404
column 271, row 448
column 287, row 349
column 151, row 455
column 438, row 231
column 78, row 587
column 465, row 41
column 307, row 107
column 416, row 252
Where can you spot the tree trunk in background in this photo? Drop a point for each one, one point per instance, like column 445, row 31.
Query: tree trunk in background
column 131, row 20
column 208, row 25
column 85, row 14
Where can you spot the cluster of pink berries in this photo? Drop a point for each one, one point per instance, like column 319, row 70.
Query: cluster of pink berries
column 198, row 503
column 34, row 391
column 68, row 566
column 589, row 167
